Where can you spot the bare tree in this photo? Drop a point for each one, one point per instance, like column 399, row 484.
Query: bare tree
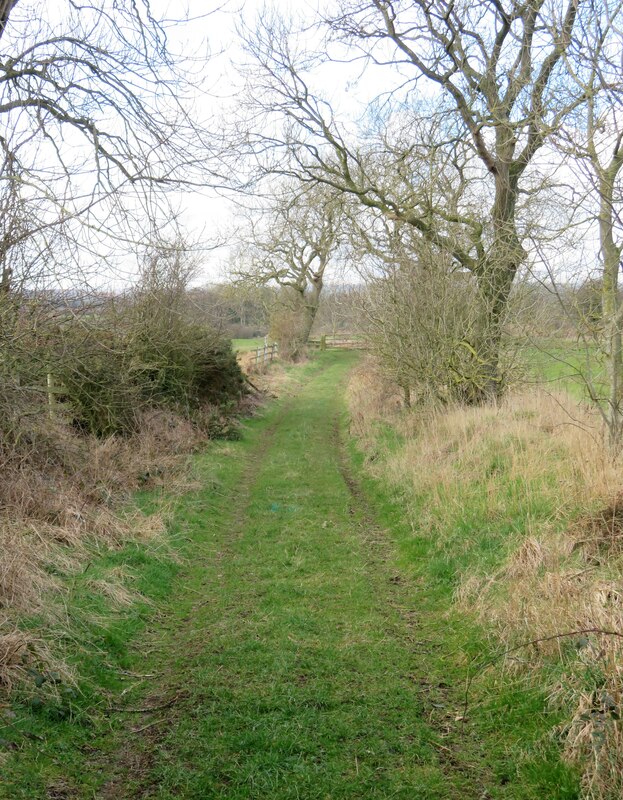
column 340, row 310
column 592, row 141
column 421, row 316
column 94, row 128
column 500, row 72
column 291, row 244
column 96, row 124
column 603, row 150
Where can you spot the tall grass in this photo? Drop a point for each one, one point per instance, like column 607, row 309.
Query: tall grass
column 63, row 494
column 523, row 512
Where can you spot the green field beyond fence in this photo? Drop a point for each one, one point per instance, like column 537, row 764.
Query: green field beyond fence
column 565, row 364
column 244, row 345
column 555, row 364
column 341, row 341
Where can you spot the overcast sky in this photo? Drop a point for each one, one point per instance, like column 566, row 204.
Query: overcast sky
column 211, row 31
column 210, row 215
column 215, row 30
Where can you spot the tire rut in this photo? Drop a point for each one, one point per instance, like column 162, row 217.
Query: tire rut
column 396, row 594
column 443, row 703
column 141, row 745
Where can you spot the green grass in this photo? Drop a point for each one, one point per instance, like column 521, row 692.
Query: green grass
column 47, row 733
column 560, row 364
column 510, row 716
column 244, row 345
column 306, row 648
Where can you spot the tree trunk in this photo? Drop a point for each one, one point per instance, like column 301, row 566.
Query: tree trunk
column 6, row 6
column 311, row 301
column 495, row 287
column 6, row 273
column 307, row 303
column 611, row 313
column 495, row 281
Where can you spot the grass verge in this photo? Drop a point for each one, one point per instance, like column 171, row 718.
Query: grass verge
column 244, row 345
column 64, row 715
column 515, row 527
column 564, row 365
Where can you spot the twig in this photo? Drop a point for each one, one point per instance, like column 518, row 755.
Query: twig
column 252, row 385
column 149, row 725
column 541, row 639
column 137, row 674
column 145, row 710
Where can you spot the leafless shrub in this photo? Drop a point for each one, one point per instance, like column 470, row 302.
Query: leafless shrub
column 372, row 398
column 423, row 325
column 63, row 492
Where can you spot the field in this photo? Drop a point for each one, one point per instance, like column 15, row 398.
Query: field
column 244, row 345
column 330, row 615
column 516, row 515
column 380, row 564
column 559, row 364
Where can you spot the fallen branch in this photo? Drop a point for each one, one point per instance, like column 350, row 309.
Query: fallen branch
column 252, row 385
column 145, row 710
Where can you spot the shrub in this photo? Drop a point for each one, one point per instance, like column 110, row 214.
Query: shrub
column 287, row 328
column 98, row 383
column 107, row 369
column 186, row 367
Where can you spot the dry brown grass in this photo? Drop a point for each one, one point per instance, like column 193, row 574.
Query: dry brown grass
column 247, row 362
column 25, row 550
column 115, row 588
column 14, row 651
column 251, row 366
column 371, row 400
column 529, row 439
column 537, row 459
column 19, row 651
column 63, row 493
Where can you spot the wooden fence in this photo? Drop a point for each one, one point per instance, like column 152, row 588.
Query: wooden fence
column 265, row 354
column 343, row 341
column 255, row 360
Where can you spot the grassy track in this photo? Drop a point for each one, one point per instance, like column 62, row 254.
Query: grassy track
column 296, row 656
